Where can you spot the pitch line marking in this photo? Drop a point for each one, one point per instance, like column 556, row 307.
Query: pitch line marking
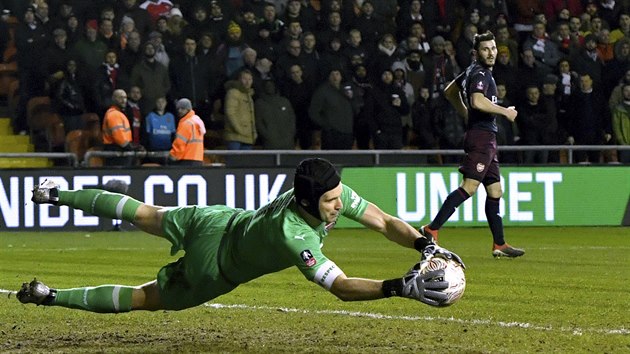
column 379, row 316
column 75, row 249
column 8, row 293
column 575, row 331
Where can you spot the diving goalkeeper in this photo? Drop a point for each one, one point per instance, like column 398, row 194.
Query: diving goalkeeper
column 225, row 247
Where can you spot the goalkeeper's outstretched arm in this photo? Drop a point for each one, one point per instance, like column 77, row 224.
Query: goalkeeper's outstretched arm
column 401, row 232
column 424, row 287
column 393, row 228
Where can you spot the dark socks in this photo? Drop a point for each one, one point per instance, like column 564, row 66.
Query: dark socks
column 494, row 220
column 454, row 200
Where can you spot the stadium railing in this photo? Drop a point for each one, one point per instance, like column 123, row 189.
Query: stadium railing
column 278, row 158
column 69, row 157
column 283, row 158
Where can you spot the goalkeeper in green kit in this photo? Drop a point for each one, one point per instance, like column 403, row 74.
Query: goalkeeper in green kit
column 225, row 247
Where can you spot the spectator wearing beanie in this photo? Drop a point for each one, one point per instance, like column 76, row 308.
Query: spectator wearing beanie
column 90, row 50
column 231, row 52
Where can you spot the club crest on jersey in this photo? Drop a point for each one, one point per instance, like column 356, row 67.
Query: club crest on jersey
column 480, row 85
column 308, row 258
column 480, row 167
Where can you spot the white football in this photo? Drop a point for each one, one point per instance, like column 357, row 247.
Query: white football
column 453, row 274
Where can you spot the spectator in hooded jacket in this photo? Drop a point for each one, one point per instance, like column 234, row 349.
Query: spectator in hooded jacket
column 390, row 105
column 90, row 50
column 30, row 40
column 298, row 89
column 240, row 122
column 151, row 76
column 189, row 74
column 332, row 110
column 275, row 119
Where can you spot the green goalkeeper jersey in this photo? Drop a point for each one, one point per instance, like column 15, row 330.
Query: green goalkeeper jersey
column 276, row 237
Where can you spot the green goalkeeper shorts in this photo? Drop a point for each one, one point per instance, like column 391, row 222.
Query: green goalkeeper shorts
column 195, row 278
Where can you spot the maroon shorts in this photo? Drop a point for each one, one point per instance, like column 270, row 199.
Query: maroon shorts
column 480, row 162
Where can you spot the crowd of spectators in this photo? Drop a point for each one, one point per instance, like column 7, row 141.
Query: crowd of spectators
column 332, row 74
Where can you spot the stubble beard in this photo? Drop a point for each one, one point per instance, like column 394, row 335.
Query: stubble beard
column 485, row 64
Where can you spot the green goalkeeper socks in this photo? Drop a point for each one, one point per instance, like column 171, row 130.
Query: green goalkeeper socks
column 101, row 203
column 102, row 299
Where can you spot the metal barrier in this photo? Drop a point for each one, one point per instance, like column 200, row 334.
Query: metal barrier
column 284, row 158
column 72, row 158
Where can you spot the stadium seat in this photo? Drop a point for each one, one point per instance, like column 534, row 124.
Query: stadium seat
column 10, row 54
column 95, row 161
column 213, row 139
column 91, row 121
column 90, row 117
column 55, row 133
column 13, row 96
column 8, row 68
column 8, row 74
column 76, row 143
column 39, row 117
column 12, row 22
column 35, row 108
column 92, row 129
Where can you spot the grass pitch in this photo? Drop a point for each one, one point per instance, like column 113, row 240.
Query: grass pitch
column 570, row 293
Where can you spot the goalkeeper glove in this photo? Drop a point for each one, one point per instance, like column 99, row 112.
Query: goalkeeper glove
column 415, row 285
column 428, row 249
column 434, row 250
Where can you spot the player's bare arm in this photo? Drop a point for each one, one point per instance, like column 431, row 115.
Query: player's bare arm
column 452, row 94
column 392, row 227
column 396, row 230
column 357, row 289
column 480, row 102
column 404, row 234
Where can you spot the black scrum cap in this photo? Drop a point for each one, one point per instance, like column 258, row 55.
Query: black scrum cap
column 313, row 178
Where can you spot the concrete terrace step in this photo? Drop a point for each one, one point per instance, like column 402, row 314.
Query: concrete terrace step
column 35, row 162
column 15, row 139
column 5, row 127
column 8, row 147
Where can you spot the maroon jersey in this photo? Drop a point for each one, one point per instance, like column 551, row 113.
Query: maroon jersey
column 477, row 78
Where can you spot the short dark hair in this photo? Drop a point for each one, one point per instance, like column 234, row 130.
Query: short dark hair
column 244, row 72
column 482, row 37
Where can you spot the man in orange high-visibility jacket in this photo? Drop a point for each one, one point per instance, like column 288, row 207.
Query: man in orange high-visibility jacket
column 187, row 147
column 116, row 130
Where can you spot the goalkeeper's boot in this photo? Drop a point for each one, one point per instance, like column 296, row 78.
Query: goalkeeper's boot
column 506, row 250
column 46, row 192
column 36, row 292
column 429, row 233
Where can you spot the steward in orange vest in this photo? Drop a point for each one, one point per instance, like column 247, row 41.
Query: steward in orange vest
column 187, row 149
column 117, row 131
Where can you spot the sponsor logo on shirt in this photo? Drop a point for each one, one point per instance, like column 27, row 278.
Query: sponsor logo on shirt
column 322, row 280
column 480, row 167
column 355, row 200
column 308, row 258
column 480, row 85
